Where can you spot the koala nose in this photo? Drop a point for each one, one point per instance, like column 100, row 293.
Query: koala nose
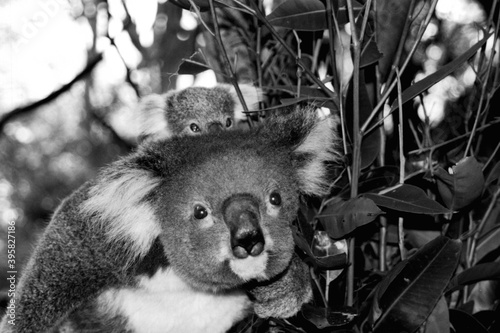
column 215, row 127
column 247, row 241
column 241, row 214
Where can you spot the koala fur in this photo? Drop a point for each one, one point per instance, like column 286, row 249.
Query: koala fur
column 184, row 235
column 195, row 110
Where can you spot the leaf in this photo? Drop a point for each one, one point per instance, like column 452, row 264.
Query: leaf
column 374, row 180
column 341, row 218
column 494, row 175
column 303, row 238
column 307, row 94
column 439, row 319
column 463, row 322
column 480, row 272
column 194, row 65
column 370, row 53
column 463, row 186
column 487, row 243
column 407, row 198
column 424, row 84
column 411, row 295
column 391, row 16
column 308, row 15
column 323, row 317
column 370, row 146
column 329, row 254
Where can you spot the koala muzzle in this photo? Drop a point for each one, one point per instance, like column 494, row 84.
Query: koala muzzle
column 215, row 127
column 241, row 214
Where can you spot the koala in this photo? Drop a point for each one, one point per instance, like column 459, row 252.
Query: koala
column 187, row 234
column 194, row 110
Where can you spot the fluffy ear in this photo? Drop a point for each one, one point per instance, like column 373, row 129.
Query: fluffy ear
column 151, row 118
column 252, row 96
column 118, row 204
column 313, row 141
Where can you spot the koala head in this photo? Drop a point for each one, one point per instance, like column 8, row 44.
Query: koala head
column 221, row 203
column 194, row 110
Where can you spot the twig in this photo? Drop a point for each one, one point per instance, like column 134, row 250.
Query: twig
column 357, row 137
column 256, row 11
column 401, row 233
column 387, row 92
column 330, row 17
column 481, row 101
column 472, row 254
column 491, row 157
column 227, row 62
column 52, row 96
column 197, row 11
column 299, row 57
column 458, row 138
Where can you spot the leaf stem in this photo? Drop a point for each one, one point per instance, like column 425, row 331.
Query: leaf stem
column 472, row 254
column 357, row 137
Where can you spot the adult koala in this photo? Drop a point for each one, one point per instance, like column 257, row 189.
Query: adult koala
column 170, row 238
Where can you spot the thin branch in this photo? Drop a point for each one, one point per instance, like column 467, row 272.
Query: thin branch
column 8, row 116
column 388, row 90
column 458, row 138
column 227, row 61
column 357, row 137
column 275, row 34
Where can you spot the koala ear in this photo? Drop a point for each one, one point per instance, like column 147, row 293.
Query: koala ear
column 152, row 120
column 314, row 144
column 252, row 96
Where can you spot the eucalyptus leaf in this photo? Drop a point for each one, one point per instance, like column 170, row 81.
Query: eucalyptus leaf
column 439, row 319
column 407, row 198
column 406, row 299
column 464, row 185
column 463, row 322
column 323, row 317
column 307, row 15
column 493, row 175
column 488, row 243
column 342, row 217
column 424, row 84
column 391, row 16
column 480, row 272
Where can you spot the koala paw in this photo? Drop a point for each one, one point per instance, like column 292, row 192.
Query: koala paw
column 283, row 296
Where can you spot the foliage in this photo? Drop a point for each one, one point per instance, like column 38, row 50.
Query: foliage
column 408, row 234
column 409, row 238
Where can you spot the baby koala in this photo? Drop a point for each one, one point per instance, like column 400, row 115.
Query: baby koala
column 194, row 110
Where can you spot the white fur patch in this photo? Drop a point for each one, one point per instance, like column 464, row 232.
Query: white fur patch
column 164, row 303
column 152, row 121
column 250, row 267
column 321, row 144
column 118, row 204
column 252, row 96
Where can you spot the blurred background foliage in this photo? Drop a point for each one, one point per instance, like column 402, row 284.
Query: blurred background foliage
column 56, row 131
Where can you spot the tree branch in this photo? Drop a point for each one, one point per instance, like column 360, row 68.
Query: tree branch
column 6, row 117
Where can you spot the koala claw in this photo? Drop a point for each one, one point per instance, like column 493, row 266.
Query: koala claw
column 283, row 296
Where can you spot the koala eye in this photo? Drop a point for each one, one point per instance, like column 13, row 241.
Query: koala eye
column 275, row 199
column 229, row 122
column 200, row 212
column 195, row 128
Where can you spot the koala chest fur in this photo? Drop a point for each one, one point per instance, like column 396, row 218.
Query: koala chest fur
column 165, row 303
column 175, row 236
